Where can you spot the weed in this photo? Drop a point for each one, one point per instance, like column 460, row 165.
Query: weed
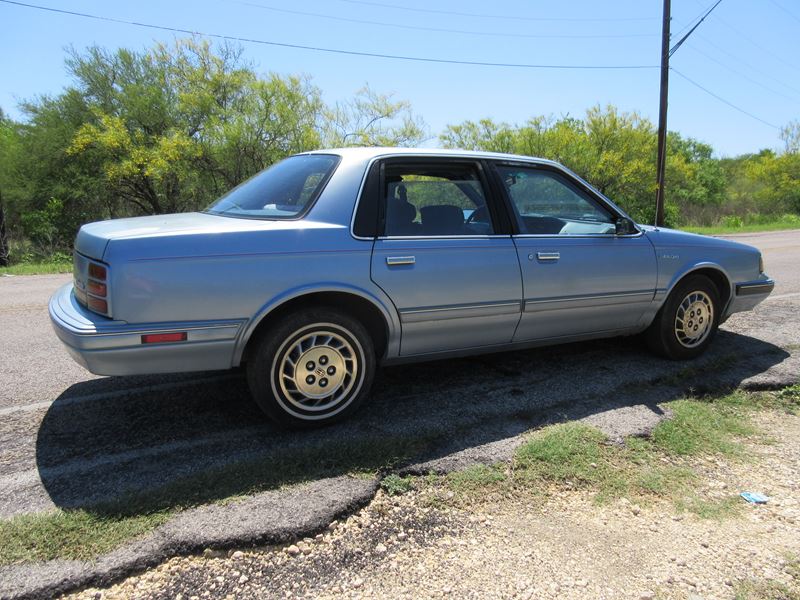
column 394, row 485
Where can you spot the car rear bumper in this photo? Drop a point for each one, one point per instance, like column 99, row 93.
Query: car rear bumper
column 108, row 347
column 748, row 294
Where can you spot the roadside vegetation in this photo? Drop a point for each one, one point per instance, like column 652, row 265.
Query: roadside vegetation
column 171, row 128
column 563, row 456
column 660, row 467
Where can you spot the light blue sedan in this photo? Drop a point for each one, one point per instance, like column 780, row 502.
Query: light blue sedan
column 330, row 263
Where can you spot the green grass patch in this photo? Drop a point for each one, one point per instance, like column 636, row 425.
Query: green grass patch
column 91, row 531
column 476, row 479
column 394, row 485
column 577, row 455
column 74, row 534
column 766, row 590
column 699, row 427
column 748, row 224
column 38, row 268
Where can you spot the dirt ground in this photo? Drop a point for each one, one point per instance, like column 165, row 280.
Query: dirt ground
column 556, row 545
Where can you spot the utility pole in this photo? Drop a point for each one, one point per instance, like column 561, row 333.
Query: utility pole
column 666, row 54
column 662, row 116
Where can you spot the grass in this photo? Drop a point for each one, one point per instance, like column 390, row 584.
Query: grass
column 773, row 590
column 88, row 532
column 739, row 225
column 568, row 454
column 576, row 455
column 38, row 268
column 75, row 534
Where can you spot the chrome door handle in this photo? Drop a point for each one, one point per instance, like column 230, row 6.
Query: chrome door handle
column 400, row 260
column 548, row 256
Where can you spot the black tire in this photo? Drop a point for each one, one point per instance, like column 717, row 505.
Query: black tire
column 330, row 348
column 670, row 335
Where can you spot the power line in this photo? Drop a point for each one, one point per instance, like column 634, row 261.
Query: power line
column 503, row 17
column 786, row 10
column 679, row 43
column 721, row 99
column 742, row 75
column 744, row 63
column 755, row 44
column 322, row 49
column 441, row 29
column 690, row 23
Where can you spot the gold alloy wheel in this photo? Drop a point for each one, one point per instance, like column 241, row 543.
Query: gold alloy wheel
column 693, row 319
column 317, row 371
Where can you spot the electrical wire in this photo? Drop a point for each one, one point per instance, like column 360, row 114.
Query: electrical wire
column 690, row 23
column 680, row 42
column 721, row 99
column 742, row 75
column 786, row 10
column 739, row 60
column 503, row 17
column 755, row 44
column 444, row 30
column 323, row 49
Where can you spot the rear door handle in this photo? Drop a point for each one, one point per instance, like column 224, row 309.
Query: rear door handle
column 547, row 256
column 400, row 260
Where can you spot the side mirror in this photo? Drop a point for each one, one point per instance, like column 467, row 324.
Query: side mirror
column 624, row 226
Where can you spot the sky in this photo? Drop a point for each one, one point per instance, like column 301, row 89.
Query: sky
column 745, row 54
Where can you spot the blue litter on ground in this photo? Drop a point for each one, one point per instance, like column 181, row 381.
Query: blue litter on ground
column 754, row 497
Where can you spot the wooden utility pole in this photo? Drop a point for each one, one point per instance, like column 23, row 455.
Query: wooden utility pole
column 4, row 251
column 662, row 116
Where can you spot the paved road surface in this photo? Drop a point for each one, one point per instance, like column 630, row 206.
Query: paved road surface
column 61, row 427
column 70, row 439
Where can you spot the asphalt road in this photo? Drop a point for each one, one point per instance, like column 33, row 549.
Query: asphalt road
column 70, row 439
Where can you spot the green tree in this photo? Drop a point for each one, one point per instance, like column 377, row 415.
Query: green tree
column 174, row 127
column 372, row 119
column 613, row 150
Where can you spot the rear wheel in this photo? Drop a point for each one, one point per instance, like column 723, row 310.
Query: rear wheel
column 314, row 368
column 686, row 324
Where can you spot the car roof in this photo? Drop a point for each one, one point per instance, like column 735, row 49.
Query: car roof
column 368, row 153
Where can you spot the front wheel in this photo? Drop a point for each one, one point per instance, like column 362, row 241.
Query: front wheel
column 312, row 369
column 686, row 324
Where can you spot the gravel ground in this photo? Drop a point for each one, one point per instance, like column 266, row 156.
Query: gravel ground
column 520, row 547
column 71, row 440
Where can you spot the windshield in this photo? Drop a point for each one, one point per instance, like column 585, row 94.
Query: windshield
column 283, row 191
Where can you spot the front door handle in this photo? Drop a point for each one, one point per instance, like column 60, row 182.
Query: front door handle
column 400, row 260
column 548, row 256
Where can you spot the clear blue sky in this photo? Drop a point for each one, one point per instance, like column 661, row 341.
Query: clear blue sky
column 746, row 52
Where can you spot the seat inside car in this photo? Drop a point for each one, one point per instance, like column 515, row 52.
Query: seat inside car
column 443, row 219
column 400, row 213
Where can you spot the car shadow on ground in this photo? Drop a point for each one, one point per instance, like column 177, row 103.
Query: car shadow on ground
column 113, row 446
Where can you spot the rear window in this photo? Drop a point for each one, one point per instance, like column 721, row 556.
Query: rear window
column 285, row 190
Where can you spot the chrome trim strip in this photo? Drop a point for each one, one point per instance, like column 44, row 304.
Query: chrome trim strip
column 648, row 293
column 437, row 313
column 572, row 236
column 441, row 237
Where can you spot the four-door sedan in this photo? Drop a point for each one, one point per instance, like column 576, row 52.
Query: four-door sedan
column 327, row 264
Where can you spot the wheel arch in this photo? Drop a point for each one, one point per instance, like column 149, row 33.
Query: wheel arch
column 381, row 322
column 718, row 276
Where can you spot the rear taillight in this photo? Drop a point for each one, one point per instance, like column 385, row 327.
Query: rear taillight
column 98, row 305
column 97, row 271
column 97, row 288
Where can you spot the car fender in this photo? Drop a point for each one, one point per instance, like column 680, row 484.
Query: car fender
column 687, row 269
column 376, row 297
